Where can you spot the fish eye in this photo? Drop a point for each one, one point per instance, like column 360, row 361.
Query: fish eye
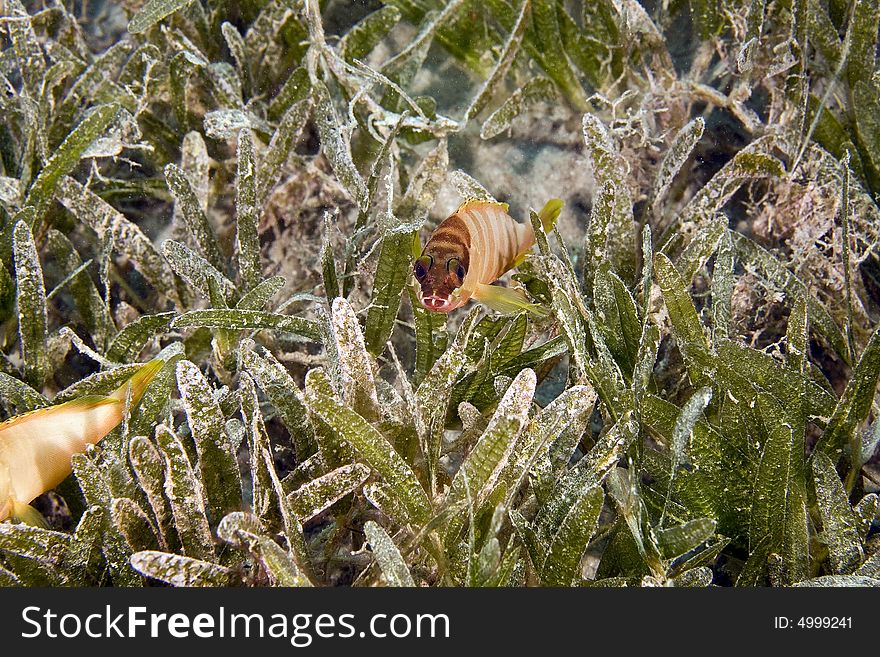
column 454, row 265
column 422, row 266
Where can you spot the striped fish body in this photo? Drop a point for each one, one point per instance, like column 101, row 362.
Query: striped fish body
column 473, row 247
column 497, row 241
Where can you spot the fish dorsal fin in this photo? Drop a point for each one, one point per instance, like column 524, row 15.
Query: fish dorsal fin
column 80, row 403
column 16, row 419
column 476, row 202
column 87, row 402
column 138, row 383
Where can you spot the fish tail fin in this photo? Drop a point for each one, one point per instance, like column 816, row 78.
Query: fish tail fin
column 139, row 381
column 28, row 515
column 550, row 213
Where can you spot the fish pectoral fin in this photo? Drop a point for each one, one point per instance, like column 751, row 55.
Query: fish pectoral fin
column 506, row 300
column 28, row 515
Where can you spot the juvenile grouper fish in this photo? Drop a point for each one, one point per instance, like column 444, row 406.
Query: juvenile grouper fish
column 36, row 448
column 470, row 250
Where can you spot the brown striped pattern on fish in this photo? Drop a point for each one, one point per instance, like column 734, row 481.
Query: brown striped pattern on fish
column 452, row 238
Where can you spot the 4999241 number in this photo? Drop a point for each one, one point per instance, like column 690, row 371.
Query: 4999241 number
column 824, row 622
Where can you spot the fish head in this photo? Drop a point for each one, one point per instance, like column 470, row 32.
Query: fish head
column 440, row 277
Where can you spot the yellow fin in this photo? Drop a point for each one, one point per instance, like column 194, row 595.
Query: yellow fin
column 506, row 300
column 28, row 515
column 139, row 381
column 550, row 213
column 416, row 245
column 521, row 258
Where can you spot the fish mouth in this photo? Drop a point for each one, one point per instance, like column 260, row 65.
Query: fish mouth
column 437, row 303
